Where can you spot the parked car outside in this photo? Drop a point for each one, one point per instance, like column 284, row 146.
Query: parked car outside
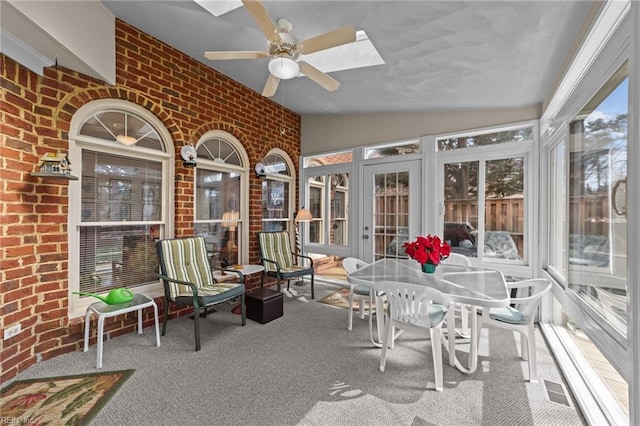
column 462, row 237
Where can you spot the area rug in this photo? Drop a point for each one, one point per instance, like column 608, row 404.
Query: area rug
column 66, row 400
column 340, row 299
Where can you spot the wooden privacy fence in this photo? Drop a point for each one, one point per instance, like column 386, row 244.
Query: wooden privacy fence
column 588, row 215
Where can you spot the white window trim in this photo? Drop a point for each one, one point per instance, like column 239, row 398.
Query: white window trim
column 525, row 149
column 325, row 170
column 606, row 24
column 242, row 170
column 609, row 43
column 291, row 180
column 77, row 142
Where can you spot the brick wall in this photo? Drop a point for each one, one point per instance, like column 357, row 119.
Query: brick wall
column 188, row 97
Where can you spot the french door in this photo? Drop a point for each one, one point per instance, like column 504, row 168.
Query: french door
column 392, row 208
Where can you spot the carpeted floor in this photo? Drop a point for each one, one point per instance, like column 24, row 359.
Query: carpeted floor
column 68, row 400
column 306, row 368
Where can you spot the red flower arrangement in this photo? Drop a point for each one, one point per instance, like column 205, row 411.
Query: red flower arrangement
column 430, row 249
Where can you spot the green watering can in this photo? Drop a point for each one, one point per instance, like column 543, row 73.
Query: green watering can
column 115, row 296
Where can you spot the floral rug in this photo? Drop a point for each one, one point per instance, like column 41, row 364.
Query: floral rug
column 340, row 299
column 67, row 400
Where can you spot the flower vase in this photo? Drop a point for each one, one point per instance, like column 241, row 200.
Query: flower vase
column 428, row 268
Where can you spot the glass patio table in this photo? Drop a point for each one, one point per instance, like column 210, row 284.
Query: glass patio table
column 473, row 286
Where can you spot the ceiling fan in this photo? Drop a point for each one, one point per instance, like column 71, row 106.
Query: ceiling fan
column 284, row 49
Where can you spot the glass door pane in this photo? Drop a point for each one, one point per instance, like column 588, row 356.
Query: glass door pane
column 461, row 207
column 504, row 209
column 392, row 208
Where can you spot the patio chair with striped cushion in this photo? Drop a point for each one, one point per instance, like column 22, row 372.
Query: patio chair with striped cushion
column 280, row 261
column 188, row 280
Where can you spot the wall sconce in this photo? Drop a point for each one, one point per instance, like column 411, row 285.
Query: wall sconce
column 260, row 170
column 189, row 155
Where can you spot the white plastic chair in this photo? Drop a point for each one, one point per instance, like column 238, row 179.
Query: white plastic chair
column 415, row 308
column 359, row 293
column 519, row 316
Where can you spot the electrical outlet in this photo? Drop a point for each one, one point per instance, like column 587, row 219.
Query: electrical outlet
column 12, row 331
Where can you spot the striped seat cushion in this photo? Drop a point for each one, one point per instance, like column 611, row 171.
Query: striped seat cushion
column 186, row 259
column 277, row 247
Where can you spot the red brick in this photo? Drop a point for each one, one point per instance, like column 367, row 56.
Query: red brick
column 196, row 99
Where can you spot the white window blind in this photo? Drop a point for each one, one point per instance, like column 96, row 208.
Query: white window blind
column 121, row 218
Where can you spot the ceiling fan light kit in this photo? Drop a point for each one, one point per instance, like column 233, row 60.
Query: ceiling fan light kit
column 283, row 49
column 284, row 67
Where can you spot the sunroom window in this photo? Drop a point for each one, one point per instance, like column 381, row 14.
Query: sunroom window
column 485, row 199
column 220, row 196
column 597, row 222
column 119, row 207
column 277, row 192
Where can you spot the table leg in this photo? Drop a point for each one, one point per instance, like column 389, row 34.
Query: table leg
column 451, row 338
column 100, row 342
column 139, row 321
column 87, row 324
column 379, row 319
column 155, row 316
column 473, row 345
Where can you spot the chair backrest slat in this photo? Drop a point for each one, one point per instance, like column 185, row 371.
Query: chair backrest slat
column 275, row 246
column 409, row 302
column 185, row 259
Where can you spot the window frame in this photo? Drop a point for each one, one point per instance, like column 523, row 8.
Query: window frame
column 484, row 154
column 287, row 178
column 77, row 143
column 243, row 171
column 605, row 48
column 325, row 171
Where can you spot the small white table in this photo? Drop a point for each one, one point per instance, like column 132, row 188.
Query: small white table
column 103, row 310
column 246, row 270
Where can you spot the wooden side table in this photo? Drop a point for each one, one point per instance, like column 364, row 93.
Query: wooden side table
column 103, row 310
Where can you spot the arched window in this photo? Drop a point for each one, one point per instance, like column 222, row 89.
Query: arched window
column 222, row 191
column 277, row 191
column 121, row 203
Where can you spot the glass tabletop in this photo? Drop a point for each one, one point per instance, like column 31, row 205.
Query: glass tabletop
column 464, row 284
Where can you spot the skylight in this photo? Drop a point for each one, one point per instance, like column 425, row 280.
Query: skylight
column 359, row 54
column 219, row 7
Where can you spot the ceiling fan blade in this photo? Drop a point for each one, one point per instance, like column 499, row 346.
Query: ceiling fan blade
column 328, row 40
column 235, row 55
column 262, row 18
column 271, row 86
column 318, row 76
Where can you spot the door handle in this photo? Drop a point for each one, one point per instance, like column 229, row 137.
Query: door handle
column 365, row 236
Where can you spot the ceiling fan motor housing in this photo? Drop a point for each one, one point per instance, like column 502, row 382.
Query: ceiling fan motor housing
column 287, row 46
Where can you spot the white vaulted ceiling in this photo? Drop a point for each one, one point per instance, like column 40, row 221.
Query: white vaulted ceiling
column 439, row 55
